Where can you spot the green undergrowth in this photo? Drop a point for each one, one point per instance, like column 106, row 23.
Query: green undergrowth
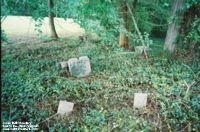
column 33, row 85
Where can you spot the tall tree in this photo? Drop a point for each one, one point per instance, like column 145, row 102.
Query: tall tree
column 123, row 38
column 173, row 27
column 51, row 20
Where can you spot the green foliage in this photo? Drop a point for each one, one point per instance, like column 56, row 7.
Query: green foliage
column 33, row 85
column 147, row 40
column 3, row 36
column 102, row 17
column 152, row 16
column 177, row 103
column 4, row 9
column 193, row 35
column 190, row 3
column 143, row 16
column 94, row 120
column 37, row 8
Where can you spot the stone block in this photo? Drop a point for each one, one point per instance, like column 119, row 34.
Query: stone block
column 65, row 107
column 140, row 100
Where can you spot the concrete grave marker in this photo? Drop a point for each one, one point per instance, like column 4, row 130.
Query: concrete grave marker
column 140, row 100
column 65, row 107
column 79, row 67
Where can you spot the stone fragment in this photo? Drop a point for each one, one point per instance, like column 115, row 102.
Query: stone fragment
column 79, row 67
column 140, row 100
column 65, row 107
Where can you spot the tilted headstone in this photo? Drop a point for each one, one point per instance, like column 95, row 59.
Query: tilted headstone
column 79, row 67
column 141, row 49
column 140, row 100
column 65, row 107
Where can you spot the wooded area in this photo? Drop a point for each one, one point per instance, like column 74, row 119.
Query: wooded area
column 135, row 66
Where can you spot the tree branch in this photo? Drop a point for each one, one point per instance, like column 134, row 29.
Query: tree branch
column 137, row 29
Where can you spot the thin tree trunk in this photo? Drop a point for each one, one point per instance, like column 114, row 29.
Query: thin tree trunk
column 137, row 30
column 51, row 20
column 173, row 28
column 123, row 38
column 136, row 27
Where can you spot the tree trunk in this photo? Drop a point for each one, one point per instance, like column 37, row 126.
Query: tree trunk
column 135, row 25
column 137, row 29
column 173, row 28
column 123, row 38
column 51, row 20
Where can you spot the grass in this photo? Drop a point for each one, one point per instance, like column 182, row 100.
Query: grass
column 33, row 85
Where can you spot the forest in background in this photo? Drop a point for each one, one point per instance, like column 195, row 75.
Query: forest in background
column 168, row 68
column 134, row 20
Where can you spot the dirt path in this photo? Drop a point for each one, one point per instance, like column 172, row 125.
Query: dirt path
column 23, row 28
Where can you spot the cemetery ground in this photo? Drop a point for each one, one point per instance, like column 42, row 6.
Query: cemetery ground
column 33, row 84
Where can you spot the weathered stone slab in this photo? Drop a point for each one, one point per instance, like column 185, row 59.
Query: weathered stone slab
column 140, row 100
column 79, row 67
column 141, row 49
column 65, row 107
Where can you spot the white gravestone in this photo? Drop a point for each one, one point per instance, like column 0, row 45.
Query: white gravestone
column 79, row 67
column 140, row 100
column 65, row 107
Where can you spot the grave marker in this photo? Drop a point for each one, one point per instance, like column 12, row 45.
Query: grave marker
column 140, row 100
column 79, row 67
column 65, row 107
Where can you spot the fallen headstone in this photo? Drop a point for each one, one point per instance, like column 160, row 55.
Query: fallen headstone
column 79, row 67
column 65, row 107
column 141, row 49
column 140, row 100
